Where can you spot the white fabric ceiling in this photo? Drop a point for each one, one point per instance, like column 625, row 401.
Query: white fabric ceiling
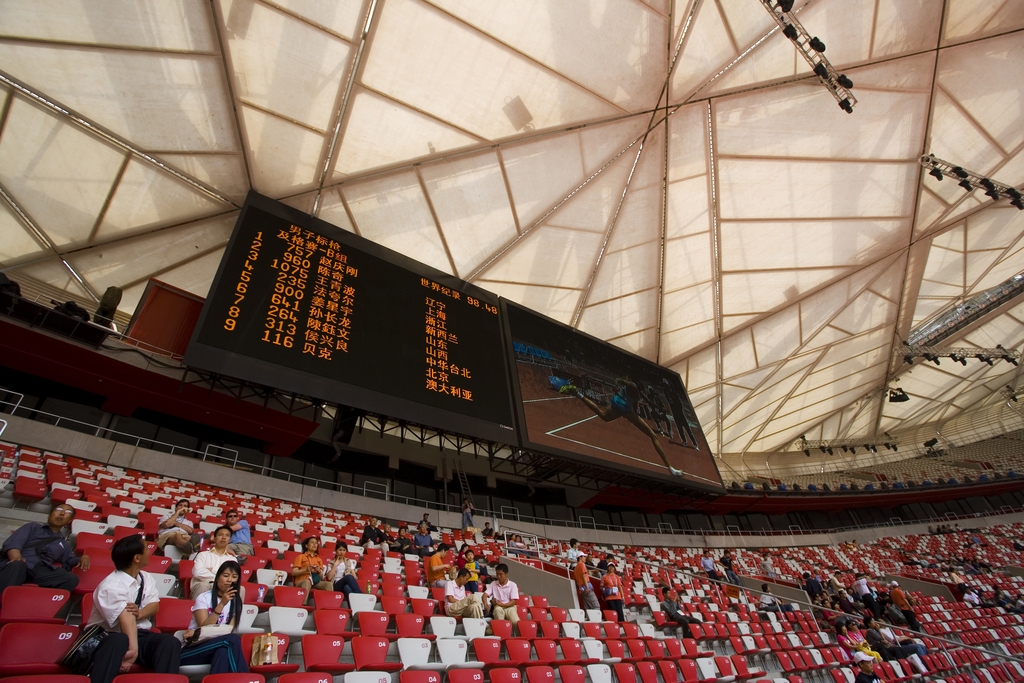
column 747, row 232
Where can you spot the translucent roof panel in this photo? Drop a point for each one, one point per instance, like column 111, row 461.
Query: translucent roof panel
column 667, row 175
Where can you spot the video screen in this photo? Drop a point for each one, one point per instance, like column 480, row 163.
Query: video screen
column 584, row 399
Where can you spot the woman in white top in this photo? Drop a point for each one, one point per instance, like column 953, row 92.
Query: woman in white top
column 209, row 561
column 220, row 606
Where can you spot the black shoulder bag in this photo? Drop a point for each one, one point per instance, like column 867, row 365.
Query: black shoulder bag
column 80, row 656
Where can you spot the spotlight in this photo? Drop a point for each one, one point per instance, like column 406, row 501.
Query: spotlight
column 984, row 359
column 1013, row 393
column 823, row 449
column 908, row 359
column 845, row 449
column 966, row 185
column 931, row 443
column 874, row 448
column 894, row 448
column 807, row 452
column 844, row 81
column 960, row 173
column 933, row 358
column 853, row 449
column 845, row 105
column 1013, row 192
column 958, row 359
column 1009, row 359
column 786, row 5
column 994, row 194
column 830, row 448
column 817, row 45
column 897, row 395
column 790, row 32
column 936, row 173
column 887, row 445
column 821, row 70
column 987, row 184
column 1018, row 203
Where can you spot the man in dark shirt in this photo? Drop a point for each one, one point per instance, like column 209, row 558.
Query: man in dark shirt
column 426, row 520
column 602, row 566
column 404, row 543
column 373, row 537
column 488, row 532
column 812, row 586
column 730, row 574
column 38, row 553
column 673, row 612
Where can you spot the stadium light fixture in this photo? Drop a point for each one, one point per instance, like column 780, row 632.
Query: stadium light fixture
column 970, row 180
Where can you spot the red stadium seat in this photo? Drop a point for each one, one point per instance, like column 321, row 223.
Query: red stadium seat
column 34, row 648
column 465, row 676
column 370, row 654
column 289, row 596
column 375, row 624
column 411, row 626
column 236, row 678
column 571, row 673
column 418, row 677
column 333, row 622
column 52, row 678
column 33, row 604
column 327, row 599
column 151, row 678
column 174, row 615
column 506, row 675
column 540, row 674
column 624, row 672
column 322, row 654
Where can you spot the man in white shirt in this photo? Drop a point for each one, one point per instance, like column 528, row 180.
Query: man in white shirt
column 503, row 594
column 864, row 594
column 457, row 603
column 769, row 603
column 176, row 529
column 209, row 561
column 574, row 552
column 123, row 605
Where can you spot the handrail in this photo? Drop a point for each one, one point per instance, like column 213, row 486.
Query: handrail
column 581, row 522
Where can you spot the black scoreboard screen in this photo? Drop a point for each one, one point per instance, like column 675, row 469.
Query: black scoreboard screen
column 304, row 306
column 583, row 399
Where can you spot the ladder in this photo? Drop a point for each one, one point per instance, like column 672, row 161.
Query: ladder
column 463, row 481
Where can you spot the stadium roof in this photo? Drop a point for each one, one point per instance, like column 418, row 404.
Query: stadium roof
column 668, row 176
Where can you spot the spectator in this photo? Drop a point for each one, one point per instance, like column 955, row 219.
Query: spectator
column 457, row 603
column 437, row 568
column 907, row 646
column 812, row 586
column 403, row 544
column 503, row 594
column 727, row 564
column 612, row 586
column 423, row 542
column 971, row 597
column 469, row 563
column 864, row 594
column 123, row 604
column 848, row 605
column 602, row 566
column 767, row 568
column 671, row 607
column 866, row 669
column 389, row 536
column 38, row 553
column 341, row 573
column 707, row 563
column 574, row 551
column 221, row 606
column 176, row 529
column 308, row 569
column 373, row 537
column 467, row 513
column 905, row 605
column 585, row 591
column 241, row 542
column 850, row 637
column 769, row 603
column 488, row 532
column 208, row 562
column 426, row 521
column 835, row 584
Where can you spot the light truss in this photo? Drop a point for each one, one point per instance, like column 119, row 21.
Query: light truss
column 846, row 445
column 958, row 354
column 812, row 49
column 969, row 180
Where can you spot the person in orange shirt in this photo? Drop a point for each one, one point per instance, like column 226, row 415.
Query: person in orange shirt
column 613, row 591
column 583, row 588
column 308, row 569
column 904, row 603
column 437, row 568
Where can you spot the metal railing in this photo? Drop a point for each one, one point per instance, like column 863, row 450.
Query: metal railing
column 514, row 514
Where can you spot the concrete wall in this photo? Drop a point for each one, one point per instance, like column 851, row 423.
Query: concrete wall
column 926, row 587
column 560, row 592
column 782, row 592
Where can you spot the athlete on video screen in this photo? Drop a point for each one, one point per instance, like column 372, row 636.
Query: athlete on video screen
column 623, row 404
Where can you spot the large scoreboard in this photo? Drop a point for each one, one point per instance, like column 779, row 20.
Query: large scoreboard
column 304, row 306
column 301, row 305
